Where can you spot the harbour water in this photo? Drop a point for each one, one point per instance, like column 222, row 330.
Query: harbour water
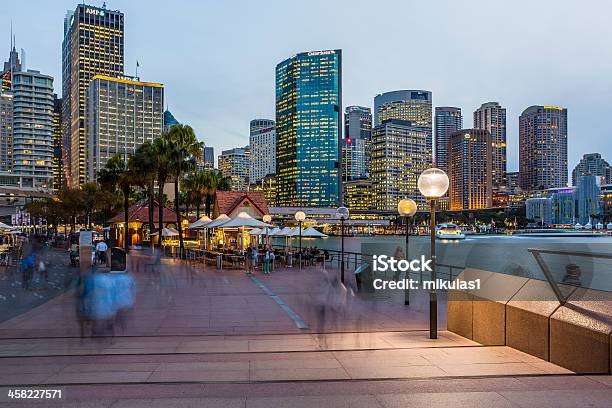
column 496, row 253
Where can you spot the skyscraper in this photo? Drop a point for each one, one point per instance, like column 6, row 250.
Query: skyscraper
column 543, row 148
column 469, row 162
column 6, row 131
column 401, row 151
column 93, row 45
column 235, row 163
column 356, row 145
column 262, row 142
column 258, row 124
column 122, row 114
column 308, row 129
column 448, row 120
column 169, row 120
column 594, row 165
column 12, row 65
column 357, row 122
column 58, row 169
column 492, row 117
column 411, row 105
column 207, row 161
column 33, row 128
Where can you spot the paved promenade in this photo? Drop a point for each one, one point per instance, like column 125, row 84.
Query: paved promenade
column 220, row 339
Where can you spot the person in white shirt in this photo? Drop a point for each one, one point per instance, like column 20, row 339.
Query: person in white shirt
column 101, row 249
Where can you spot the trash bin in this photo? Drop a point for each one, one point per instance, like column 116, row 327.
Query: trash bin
column 290, row 260
column 220, row 261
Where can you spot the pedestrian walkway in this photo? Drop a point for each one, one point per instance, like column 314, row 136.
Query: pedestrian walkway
column 224, row 339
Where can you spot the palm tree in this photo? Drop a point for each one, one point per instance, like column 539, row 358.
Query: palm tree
column 161, row 154
column 195, row 184
column 123, row 175
column 145, row 164
column 185, row 149
column 72, row 205
column 214, row 181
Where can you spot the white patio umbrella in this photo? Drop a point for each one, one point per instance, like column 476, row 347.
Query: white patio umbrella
column 222, row 219
column 5, row 226
column 256, row 231
column 201, row 223
column 274, row 231
column 243, row 220
column 168, row 232
column 312, row 232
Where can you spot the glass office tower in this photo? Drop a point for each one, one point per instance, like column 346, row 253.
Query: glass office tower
column 448, row 120
column 308, row 120
column 93, row 45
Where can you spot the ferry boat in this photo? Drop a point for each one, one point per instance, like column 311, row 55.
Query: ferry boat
column 449, row 231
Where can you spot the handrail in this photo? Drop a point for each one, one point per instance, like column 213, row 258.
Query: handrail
column 571, row 253
column 537, row 254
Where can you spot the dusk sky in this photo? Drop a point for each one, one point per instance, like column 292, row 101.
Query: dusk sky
column 217, row 58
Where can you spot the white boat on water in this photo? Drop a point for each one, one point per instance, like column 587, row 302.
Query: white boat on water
column 449, row 231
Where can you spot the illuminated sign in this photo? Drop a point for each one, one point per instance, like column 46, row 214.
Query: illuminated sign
column 327, row 52
column 95, row 12
column 553, row 107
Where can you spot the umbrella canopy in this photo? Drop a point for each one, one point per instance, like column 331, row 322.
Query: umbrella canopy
column 312, row 232
column 294, row 232
column 256, row 231
column 244, row 220
column 222, row 219
column 201, row 223
column 283, row 233
column 168, row 232
column 274, row 231
column 5, row 226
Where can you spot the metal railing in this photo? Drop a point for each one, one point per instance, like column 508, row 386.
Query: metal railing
column 537, row 254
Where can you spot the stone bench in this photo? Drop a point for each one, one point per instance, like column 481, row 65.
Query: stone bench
column 580, row 332
column 528, row 315
column 480, row 315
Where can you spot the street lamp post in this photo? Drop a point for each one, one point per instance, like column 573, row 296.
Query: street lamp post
column 407, row 208
column 433, row 184
column 267, row 219
column 300, row 216
column 343, row 214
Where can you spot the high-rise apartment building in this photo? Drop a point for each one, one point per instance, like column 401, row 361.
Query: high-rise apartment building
column 594, row 165
column 411, row 105
column 448, row 120
column 33, row 128
column 235, row 163
column 58, row 168
column 6, row 131
column 122, row 114
column 93, row 45
column 308, row 129
column 401, row 151
column 356, row 143
column 543, row 148
column 492, row 117
column 262, row 142
column 469, row 162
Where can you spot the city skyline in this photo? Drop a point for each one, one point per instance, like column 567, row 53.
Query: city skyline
column 211, row 108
